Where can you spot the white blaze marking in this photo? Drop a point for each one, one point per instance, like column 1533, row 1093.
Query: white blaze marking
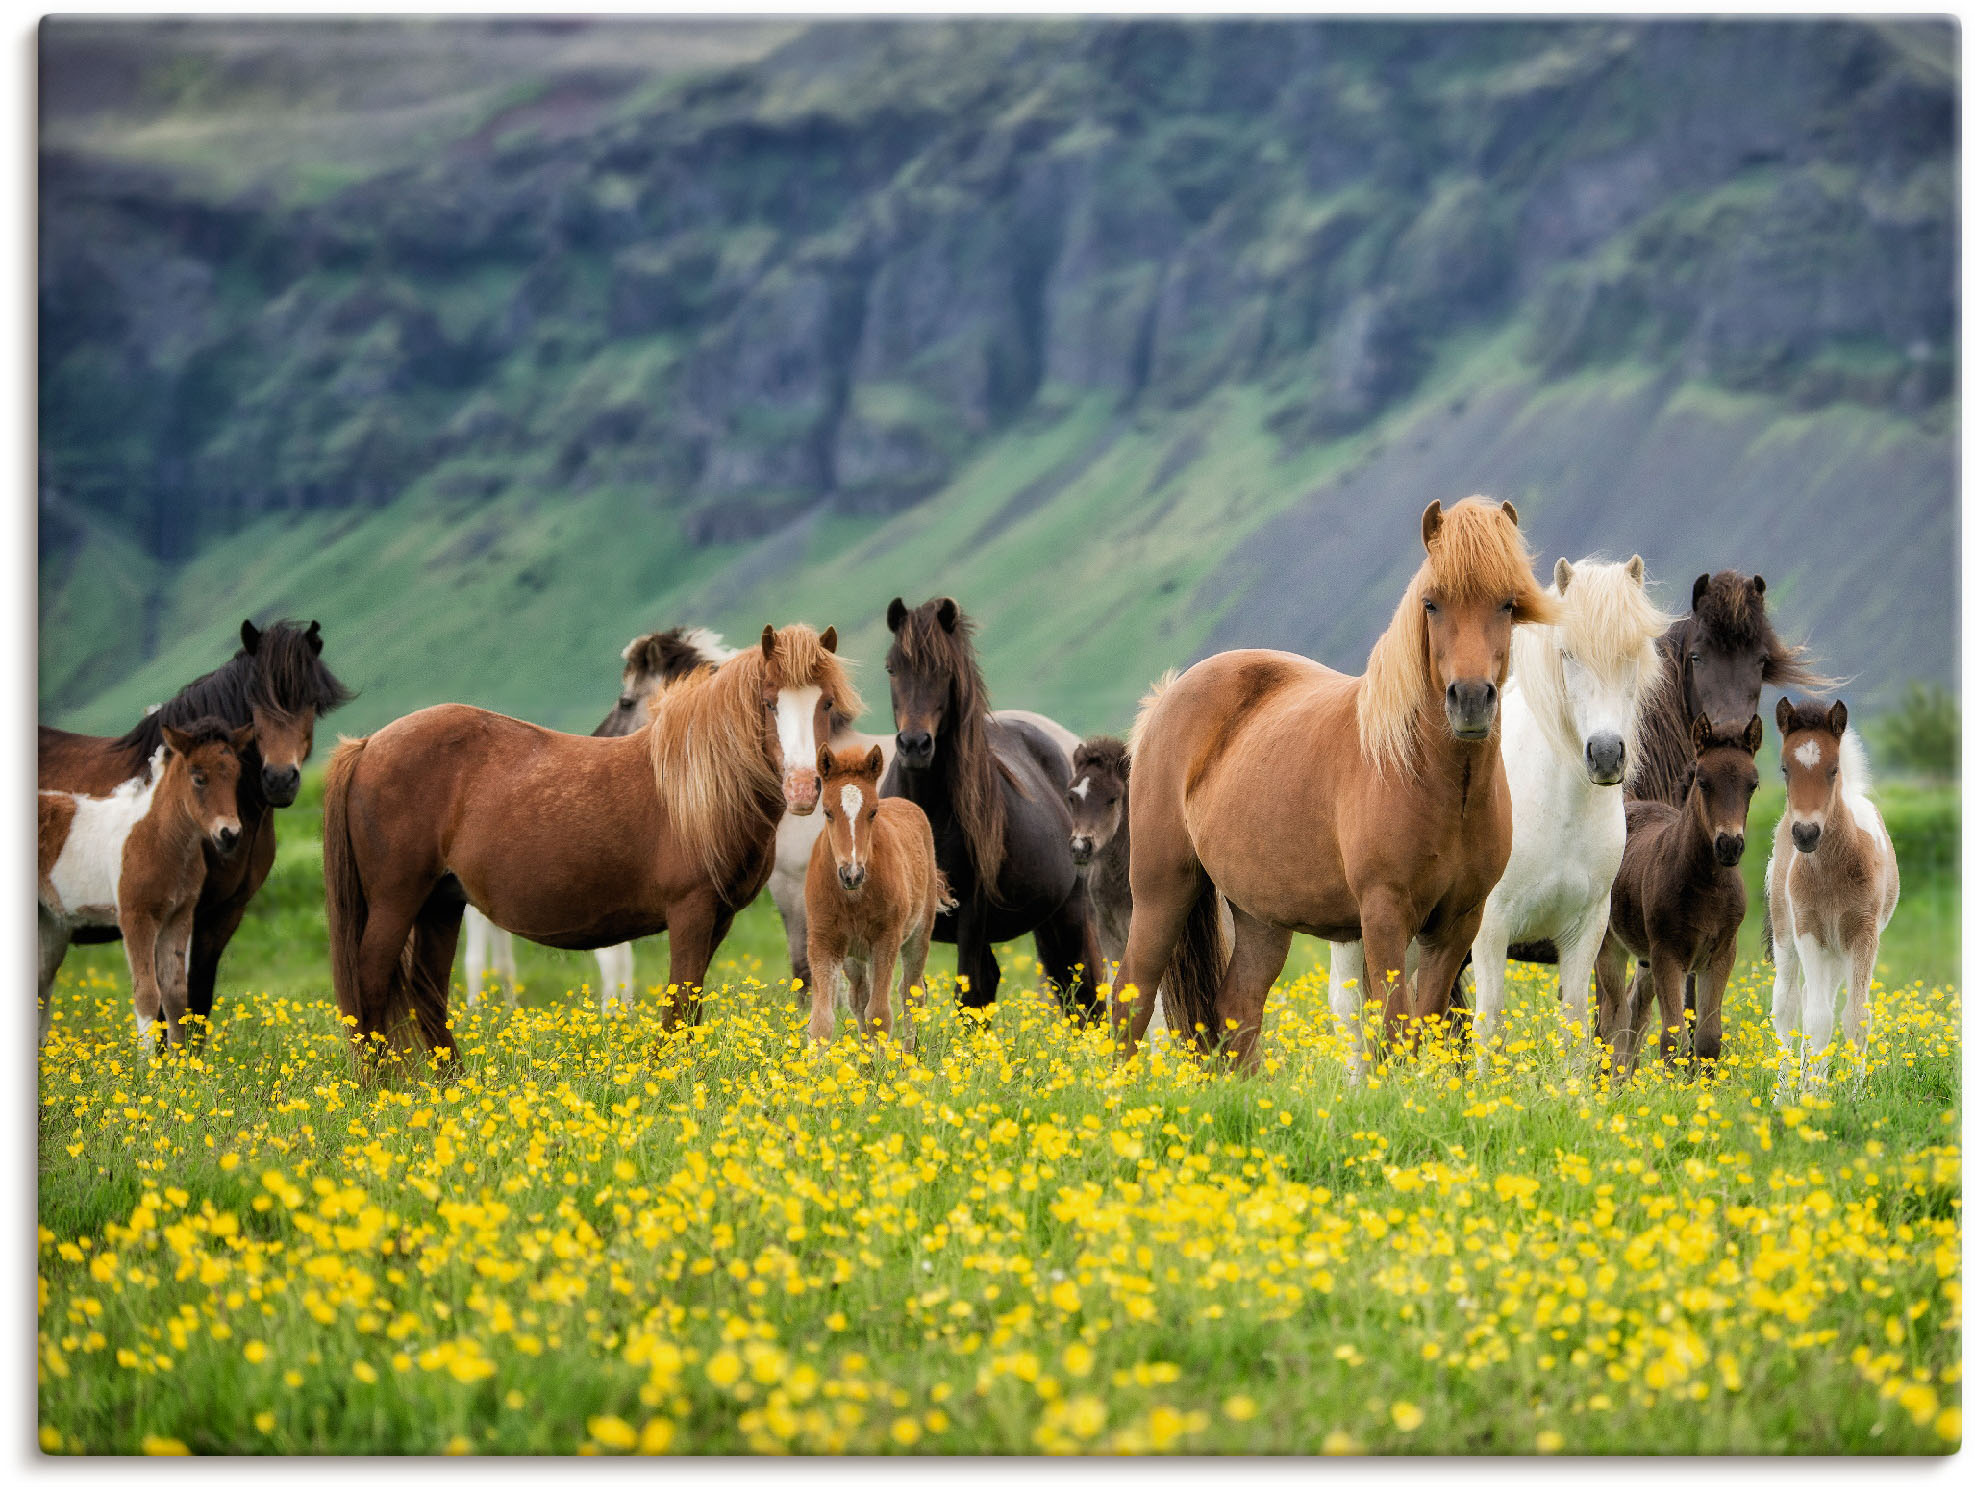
column 1082, row 788
column 795, row 725
column 851, row 801
column 90, row 865
column 1807, row 752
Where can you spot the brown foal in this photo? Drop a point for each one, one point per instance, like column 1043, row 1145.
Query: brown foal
column 873, row 890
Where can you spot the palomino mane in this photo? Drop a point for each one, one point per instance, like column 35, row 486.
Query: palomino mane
column 924, row 644
column 1477, row 554
column 716, row 782
column 1607, row 622
column 284, row 675
column 1146, row 704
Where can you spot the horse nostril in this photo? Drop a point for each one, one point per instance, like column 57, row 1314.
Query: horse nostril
column 1488, row 695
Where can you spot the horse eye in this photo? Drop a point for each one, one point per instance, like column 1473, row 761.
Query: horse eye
column 199, row 778
column 1693, row 655
column 624, row 702
column 1431, row 607
column 1508, row 606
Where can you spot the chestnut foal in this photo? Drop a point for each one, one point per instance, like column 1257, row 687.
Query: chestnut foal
column 1678, row 900
column 873, row 889
column 135, row 861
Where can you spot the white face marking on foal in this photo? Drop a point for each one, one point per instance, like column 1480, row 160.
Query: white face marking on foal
column 1082, row 788
column 1807, row 753
column 851, row 801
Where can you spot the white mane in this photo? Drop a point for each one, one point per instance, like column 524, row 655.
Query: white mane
column 1609, row 626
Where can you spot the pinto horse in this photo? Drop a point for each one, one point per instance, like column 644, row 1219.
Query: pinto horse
column 276, row 683
column 993, row 789
column 1368, row 809
column 571, row 841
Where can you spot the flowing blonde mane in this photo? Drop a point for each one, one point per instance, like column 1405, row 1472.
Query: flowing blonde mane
column 1609, row 625
column 709, row 749
column 1478, row 554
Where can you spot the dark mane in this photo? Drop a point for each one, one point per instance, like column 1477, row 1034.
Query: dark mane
column 204, row 731
column 284, row 675
column 1103, row 754
column 924, row 645
column 1730, row 612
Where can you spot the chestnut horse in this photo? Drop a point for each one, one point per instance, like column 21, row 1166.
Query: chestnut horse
column 276, row 683
column 993, row 790
column 872, row 891
column 1830, row 890
column 1368, row 808
column 571, row 841
column 1678, row 900
column 135, row 861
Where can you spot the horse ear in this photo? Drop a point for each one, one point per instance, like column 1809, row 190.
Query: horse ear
column 767, row 642
column 1702, row 733
column 828, row 640
column 826, row 762
column 1509, row 510
column 1786, row 717
column 242, row 739
column 874, row 761
column 1562, row 574
column 895, row 615
column 1758, row 585
column 1700, row 588
column 949, row 615
column 1080, row 758
column 1635, row 569
column 314, row 636
column 1430, row 525
column 1838, row 718
column 250, row 638
column 177, row 742
column 1752, row 736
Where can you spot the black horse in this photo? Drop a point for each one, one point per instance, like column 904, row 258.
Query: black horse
column 277, row 682
column 993, row 790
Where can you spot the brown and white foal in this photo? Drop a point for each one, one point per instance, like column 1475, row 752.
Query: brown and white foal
column 873, row 890
column 134, row 860
column 1831, row 887
column 1678, row 901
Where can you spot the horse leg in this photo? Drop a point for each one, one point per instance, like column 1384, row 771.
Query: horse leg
column 878, row 973
column 857, row 988
column 1387, row 931
column 173, row 953
column 824, row 961
column 381, row 1005
column 429, row 977
column 504, row 968
column 1575, row 957
column 1786, row 1004
column 1491, row 981
column 697, row 924
column 1347, row 1003
column 1669, row 980
column 1439, row 969
column 912, row 992
column 475, row 969
column 615, row 970
column 978, row 966
column 1163, row 895
column 1824, row 968
column 1858, row 994
column 1610, row 984
column 1260, row 948
column 1713, row 984
column 1066, row 944
column 140, row 949
column 53, row 944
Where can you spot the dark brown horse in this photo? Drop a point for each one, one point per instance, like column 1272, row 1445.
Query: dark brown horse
column 1678, row 900
column 1365, row 809
column 993, row 789
column 277, row 683
column 571, row 841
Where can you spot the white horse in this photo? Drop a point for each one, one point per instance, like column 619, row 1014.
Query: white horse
column 1570, row 733
column 1829, row 891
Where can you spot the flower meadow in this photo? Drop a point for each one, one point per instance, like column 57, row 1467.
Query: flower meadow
column 590, row 1238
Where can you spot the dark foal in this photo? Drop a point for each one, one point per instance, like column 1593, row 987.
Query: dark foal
column 1101, row 838
column 1678, row 901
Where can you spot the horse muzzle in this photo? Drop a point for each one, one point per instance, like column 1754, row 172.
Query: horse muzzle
column 227, row 836
column 281, row 786
column 1471, row 709
column 1728, row 849
column 1604, row 758
column 915, row 749
column 1082, row 849
column 1806, row 835
column 801, row 789
column 851, row 875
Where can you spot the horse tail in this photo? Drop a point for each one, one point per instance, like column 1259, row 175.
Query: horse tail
column 342, row 884
column 1193, row 976
column 943, row 899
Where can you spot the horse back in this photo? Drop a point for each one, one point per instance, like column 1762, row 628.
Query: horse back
column 81, row 763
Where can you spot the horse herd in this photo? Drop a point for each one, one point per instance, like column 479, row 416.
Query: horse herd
column 1559, row 774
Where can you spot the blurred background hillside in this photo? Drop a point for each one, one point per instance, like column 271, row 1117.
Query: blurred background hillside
column 490, row 344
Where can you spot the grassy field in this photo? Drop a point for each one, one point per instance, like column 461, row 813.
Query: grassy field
column 597, row 1239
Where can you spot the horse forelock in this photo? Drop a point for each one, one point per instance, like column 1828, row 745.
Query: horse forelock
column 1103, row 754
column 923, row 644
column 1609, row 624
column 1478, row 555
column 287, row 676
column 801, row 661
